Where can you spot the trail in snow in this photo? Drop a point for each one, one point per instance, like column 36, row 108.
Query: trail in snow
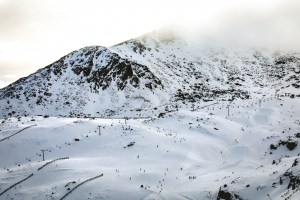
column 6, row 138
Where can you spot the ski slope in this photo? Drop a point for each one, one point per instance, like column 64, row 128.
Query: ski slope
column 189, row 153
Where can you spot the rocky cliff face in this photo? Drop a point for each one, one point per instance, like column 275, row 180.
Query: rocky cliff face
column 147, row 73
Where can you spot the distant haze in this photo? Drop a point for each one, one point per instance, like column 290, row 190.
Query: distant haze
column 35, row 33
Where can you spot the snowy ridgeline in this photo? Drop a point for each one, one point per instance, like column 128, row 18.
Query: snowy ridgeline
column 141, row 76
column 248, row 150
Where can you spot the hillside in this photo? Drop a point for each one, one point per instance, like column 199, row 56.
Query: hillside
column 155, row 117
column 251, row 154
column 148, row 72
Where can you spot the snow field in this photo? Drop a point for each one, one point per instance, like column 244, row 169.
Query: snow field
column 185, row 155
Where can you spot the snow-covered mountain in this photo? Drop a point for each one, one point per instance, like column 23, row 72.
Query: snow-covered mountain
column 156, row 117
column 148, row 72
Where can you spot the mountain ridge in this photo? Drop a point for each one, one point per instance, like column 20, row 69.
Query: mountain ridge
column 166, row 118
column 156, row 69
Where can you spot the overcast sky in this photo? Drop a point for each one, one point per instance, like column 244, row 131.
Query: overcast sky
column 35, row 33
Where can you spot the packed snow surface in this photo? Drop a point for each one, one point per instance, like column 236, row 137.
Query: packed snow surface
column 219, row 148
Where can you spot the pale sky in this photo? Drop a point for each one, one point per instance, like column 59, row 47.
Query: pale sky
column 35, row 33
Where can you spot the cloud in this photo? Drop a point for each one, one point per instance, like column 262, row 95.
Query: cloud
column 275, row 26
column 272, row 24
column 24, row 19
column 12, row 16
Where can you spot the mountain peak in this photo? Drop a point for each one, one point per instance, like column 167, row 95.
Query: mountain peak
column 147, row 72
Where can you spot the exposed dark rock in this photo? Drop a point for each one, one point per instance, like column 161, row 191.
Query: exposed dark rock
column 295, row 163
column 227, row 195
column 130, row 144
column 291, row 145
column 273, row 147
column 294, row 182
column 224, row 195
column 122, row 72
column 286, row 59
column 161, row 115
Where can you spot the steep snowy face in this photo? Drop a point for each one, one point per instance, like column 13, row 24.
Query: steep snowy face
column 147, row 73
column 102, row 67
column 199, row 71
column 90, row 78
